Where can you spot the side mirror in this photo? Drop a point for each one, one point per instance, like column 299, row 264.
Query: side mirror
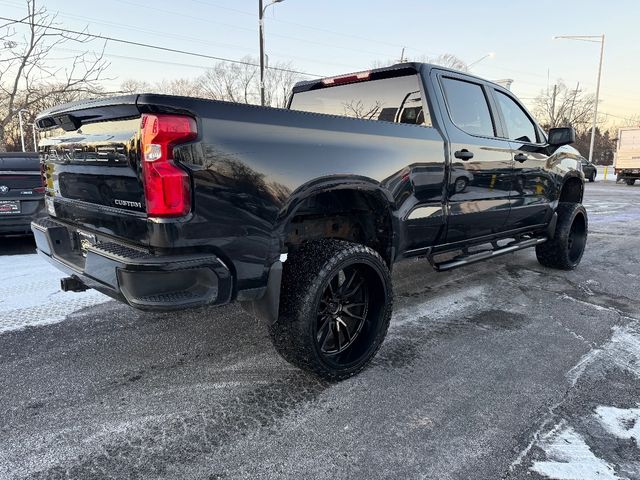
column 561, row 136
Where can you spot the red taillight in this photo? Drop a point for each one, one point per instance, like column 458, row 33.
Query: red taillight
column 166, row 186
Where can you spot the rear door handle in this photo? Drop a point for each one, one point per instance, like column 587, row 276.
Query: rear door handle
column 520, row 157
column 463, row 154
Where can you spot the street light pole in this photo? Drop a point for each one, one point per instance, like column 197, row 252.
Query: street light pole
column 261, row 11
column 488, row 55
column 595, row 110
column 596, row 39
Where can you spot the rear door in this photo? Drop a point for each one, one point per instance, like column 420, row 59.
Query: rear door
column 480, row 170
column 532, row 184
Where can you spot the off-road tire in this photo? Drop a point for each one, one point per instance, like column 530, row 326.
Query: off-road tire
column 564, row 251
column 307, row 275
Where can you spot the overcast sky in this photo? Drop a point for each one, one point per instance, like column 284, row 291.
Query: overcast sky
column 336, row 36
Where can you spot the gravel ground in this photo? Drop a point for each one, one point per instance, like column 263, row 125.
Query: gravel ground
column 503, row 369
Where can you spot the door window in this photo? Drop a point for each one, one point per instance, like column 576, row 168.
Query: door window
column 468, row 107
column 519, row 125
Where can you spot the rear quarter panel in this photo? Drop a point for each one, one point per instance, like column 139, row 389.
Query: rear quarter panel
column 253, row 166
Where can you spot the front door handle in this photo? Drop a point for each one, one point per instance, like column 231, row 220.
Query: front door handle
column 520, row 157
column 464, row 154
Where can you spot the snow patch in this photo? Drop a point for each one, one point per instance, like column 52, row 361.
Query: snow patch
column 32, row 295
column 439, row 306
column 570, row 458
column 622, row 351
column 621, row 422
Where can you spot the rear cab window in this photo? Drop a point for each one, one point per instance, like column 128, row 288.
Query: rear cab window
column 396, row 99
column 468, row 107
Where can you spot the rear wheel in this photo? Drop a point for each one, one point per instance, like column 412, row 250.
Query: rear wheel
column 630, row 181
column 335, row 308
column 564, row 251
column 592, row 177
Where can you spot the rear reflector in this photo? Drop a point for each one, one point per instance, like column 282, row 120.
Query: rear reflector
column 353, row 77
column 166, row 186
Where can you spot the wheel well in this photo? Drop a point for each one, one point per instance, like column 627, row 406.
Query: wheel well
column 572, row 191
column 352, row 215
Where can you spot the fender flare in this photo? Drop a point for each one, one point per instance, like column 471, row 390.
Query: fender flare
column 266, row 308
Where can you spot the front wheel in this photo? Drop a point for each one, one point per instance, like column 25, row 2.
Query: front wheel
column 335, row 308
column 564, row 251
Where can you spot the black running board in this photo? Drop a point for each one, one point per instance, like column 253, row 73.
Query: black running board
column 468, row 259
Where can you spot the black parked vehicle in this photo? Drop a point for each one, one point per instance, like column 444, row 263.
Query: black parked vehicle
column 169, row 202
column 21, row 192
column 589, row 169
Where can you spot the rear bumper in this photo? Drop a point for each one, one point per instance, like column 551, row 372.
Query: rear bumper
column 21, row 224
column 15, row 226
column 624, row 173
column 141, row 279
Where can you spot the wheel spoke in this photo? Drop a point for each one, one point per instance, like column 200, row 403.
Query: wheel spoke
column 336, row 334
column 324, row 332
column 331, row 290
column 345, row 286
column 352, row 316
column 355, row 289
column 347, row 334
column 347, row 308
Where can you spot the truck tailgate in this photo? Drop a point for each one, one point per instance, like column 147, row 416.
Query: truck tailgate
column 92, row 178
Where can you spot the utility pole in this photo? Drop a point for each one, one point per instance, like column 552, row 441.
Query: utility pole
column 261, row 10
column 261, row 13
column 553, row 107
column 595, row 110
column 595, row 39
column 21, row 127
column 573, row 102
column 35, row 140
column 402, row 59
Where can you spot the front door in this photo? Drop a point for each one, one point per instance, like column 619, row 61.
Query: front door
column 480, row 170
column 532, row 184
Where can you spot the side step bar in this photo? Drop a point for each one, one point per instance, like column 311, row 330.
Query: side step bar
column 468, row 259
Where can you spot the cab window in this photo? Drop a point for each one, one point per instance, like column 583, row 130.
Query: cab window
column 468, row 107
column 396, row 99
column 519, row 126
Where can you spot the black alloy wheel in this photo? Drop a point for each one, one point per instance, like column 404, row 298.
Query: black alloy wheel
column 335, row 308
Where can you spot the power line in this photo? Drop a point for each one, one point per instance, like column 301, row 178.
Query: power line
column 155, row 47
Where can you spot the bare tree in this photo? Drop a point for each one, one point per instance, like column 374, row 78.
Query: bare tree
column 239, row 82
column 562, row 106
column 448, row 60
column 358, row 109
column 232, row 82
column 29, row 75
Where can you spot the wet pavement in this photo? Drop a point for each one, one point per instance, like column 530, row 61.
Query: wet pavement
column 503, row 369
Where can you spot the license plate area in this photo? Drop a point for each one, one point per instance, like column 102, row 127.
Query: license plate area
column 83, row 240
column 10, row 207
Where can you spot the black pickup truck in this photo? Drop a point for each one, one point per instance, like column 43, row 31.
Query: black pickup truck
column 169, row 202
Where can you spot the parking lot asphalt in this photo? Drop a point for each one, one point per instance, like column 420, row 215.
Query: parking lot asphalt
column 503, row 369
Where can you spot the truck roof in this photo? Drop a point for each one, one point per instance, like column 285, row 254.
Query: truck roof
column 396, row 70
